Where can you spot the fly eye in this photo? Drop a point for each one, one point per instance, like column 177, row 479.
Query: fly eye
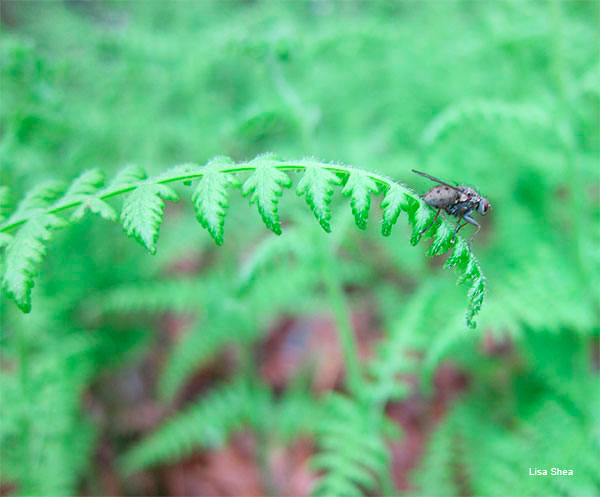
column 484, row 205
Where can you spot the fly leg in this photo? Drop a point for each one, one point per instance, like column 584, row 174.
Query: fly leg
column 469, row 219
column 458, row 226
column 432, row 222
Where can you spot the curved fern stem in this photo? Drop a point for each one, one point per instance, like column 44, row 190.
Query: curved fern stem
column 36, row 217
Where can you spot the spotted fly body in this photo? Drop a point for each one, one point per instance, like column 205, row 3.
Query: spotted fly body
column 458, row 201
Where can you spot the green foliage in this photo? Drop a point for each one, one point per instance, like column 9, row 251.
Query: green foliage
column 48, row 441
column 353, row 451
column 359, row 188
column 505, row 99
column 487, row 112
column 144, row 206
column 211, row 199
column 317, row 185
column 396, row 199
column 208, row 423
column 486, row 447
column 81, row 191
column 265, row 186
column 23, row 254
column 143, row 211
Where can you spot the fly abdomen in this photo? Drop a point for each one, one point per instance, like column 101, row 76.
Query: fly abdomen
column 441, row 197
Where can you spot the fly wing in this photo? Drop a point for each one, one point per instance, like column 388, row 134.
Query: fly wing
column 435, row 179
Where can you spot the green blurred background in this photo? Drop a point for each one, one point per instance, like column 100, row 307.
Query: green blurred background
column 125, row 378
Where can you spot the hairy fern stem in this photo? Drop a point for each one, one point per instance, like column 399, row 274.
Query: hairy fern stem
column 144, row 206
column 195, row 172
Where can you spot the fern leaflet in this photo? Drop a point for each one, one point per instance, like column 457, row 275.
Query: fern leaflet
column 23, row 253
column 87, row 183
column 359, row 188
column 395, row 200
column 211, row 198
column 265, row 185
column 37, row 199
column 419, row 220
column 317, row 184
column 143, row 212
column 129, row 175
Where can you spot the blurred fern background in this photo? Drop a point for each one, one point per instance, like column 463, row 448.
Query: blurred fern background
column 208, row 370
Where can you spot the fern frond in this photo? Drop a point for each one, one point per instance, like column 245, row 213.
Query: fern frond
column 87, row 183
column 359, row 188
column 82, row 191
column 206, row 424
column 297, row 412
column 553, row 300
column 472, row 451
column 37, row 199
column 397, row 353
column 317, row 185
column 45, row 448
column 129, row 175
column 143, row 212
column 23, row 254
column 421, row 215
column 270, row 250
column 202, row 343
column 265, row 186
column 441, row 240
column 211, row 198
column 144, row 205
column 354, row 455
column 485, row 110
column 396, row 199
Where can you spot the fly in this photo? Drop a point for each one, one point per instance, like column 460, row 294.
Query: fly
column 459, row 201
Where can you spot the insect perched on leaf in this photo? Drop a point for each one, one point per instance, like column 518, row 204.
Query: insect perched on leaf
column 459, row 201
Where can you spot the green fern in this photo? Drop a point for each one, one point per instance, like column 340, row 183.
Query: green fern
column 473, row 452
column 144, row 205
column 23, row 254
column 482, row 110
column 206, row 424
column 211, row 198
column 397, row 198
column 265, row 186
column 550, row 418
column 221, row 326
column 35, row 201
column 143, row 212
column 45, row 440
column 83, row 189
column 359, row 188
column 317, row 185
column 353, row 453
